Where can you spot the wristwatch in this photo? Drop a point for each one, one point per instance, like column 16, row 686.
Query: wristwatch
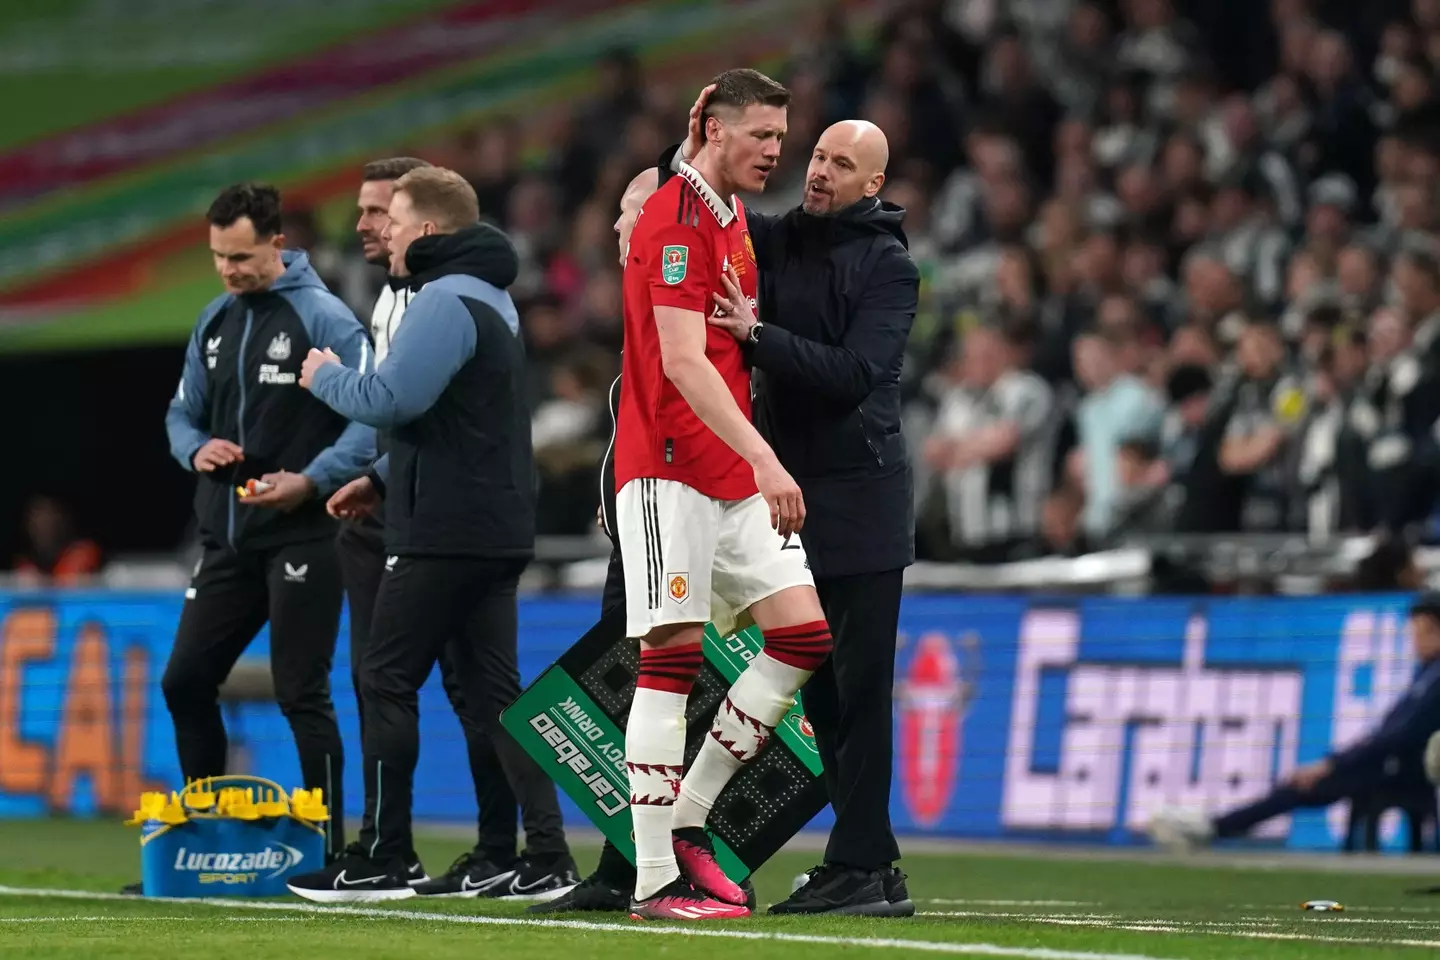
column 754, row 336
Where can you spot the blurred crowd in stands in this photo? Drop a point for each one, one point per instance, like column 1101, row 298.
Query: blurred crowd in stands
column 1179, row 268
column 1178, row 265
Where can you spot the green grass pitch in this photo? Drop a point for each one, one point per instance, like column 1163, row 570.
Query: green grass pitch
column 57, row 901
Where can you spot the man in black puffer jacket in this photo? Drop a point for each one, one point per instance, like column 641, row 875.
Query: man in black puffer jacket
column 459, row 488
column 238, row 416
column 838, row 291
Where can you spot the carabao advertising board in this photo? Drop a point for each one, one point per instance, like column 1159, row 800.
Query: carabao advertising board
column 1014, row 717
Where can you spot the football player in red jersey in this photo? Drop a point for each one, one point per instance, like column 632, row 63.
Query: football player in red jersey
column 706, row 513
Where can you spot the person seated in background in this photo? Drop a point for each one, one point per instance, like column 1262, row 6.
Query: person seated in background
column 991, row 445
column 1059, row 534
column 568, row 436
column 54, row 554
column 1116, row 405
column 1389, row 568
column 1145, row 504
column 1391, row 757
column 1265, row 414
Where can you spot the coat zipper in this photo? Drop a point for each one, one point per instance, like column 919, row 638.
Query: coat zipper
column 614, row 408
column 240, row 416
column 874, row 451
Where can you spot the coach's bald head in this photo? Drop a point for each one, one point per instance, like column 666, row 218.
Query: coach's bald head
column 636, row 193
column 848, row 166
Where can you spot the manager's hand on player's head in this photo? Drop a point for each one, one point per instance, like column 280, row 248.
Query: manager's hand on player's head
column 356, row 499
column 787, row 505
column 216, row 453
column 695, row 136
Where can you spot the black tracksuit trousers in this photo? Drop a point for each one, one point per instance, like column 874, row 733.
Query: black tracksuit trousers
column 849, row 702
column 362, row 559
column 431, row 609
column 296, row 588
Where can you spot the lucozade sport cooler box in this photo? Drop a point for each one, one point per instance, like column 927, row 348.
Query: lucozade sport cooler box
column 572, row 721
column 212, row 850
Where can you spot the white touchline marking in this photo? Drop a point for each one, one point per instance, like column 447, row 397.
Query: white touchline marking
column 122, row 919
column 1270, row 907
column 1116, row 922
column 643, row 929
column 93, row 919
column 1016, row 903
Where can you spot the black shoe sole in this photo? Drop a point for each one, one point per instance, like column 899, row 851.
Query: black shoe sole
column 878, row 908
column 563, row 904
column 899, row 908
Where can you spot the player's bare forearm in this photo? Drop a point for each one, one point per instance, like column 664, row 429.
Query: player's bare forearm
column 682, row 351
column 704, row 389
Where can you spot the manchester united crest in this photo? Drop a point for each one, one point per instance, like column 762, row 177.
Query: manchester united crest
column 749, row 247
column 679, row 587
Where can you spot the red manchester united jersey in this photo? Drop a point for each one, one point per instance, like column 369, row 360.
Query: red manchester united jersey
column 683, row 236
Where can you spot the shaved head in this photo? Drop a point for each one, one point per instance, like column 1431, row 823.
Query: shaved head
column 636, row 193
column 865, row 139
column 847, row 166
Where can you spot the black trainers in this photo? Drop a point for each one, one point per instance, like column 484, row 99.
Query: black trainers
column 539, row 877
column 471, row 875
column 355, row 878
column 747, row 887
column 594, row 894
column 415, row 870
column 897, row 894
column 837, row 889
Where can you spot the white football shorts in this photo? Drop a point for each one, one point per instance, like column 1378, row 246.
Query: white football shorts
column 692, row 559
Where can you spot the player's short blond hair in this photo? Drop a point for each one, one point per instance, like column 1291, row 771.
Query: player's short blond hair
column 441, row 196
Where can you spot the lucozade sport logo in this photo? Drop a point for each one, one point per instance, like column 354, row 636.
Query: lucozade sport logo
column 932, row 698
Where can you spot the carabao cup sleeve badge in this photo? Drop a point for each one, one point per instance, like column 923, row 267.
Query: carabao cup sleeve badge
column 673, row 261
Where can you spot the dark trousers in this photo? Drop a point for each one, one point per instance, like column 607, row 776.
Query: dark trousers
column 362, row 561
column 428, row 608
column 296, row 587
column 613, row 868
column 848, row 702
column 1285, row 798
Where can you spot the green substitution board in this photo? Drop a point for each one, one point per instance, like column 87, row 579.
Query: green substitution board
column 572, row 721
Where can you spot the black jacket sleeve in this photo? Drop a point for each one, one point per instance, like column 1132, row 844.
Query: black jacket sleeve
column 873, row 344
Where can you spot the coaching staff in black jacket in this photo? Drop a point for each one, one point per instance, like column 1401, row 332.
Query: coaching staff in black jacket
column 838, row 292
column 459, row 486
column 239, row 415
column 492, row 868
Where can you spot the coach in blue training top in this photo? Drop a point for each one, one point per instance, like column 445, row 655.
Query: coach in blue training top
column 459, row 488
column 240, row 415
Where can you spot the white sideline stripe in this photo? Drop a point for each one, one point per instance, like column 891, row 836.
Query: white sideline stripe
column 114, row 919
column 91, row 919
column 1111, row 919
column 1116, row 922
column 884, row 943
column 1015, row 903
